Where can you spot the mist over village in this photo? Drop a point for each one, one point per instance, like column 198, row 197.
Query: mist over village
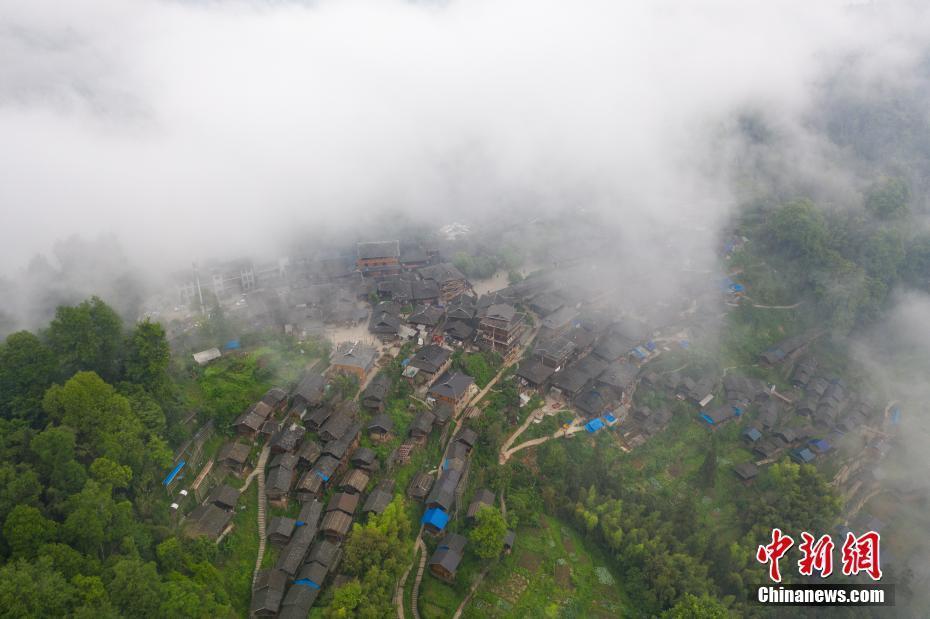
column 464, row 308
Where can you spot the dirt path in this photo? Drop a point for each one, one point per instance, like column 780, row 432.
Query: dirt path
column 399, row 591
column 778, row 307
column 573, row 428
column 526, row 424
column 471, row 592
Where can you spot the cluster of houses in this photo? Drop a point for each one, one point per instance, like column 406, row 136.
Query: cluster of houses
column 213, row 518
column 313, row 440
column 589, row 367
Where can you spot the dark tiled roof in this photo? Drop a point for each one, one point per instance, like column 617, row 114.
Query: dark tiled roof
column 430, row 358
column 378, row 249
column 441, row 273
column 380, row 497
column 376, row 391
column 534, row 371
column 292, row 555
column 354, row 355
column 482, row 497
column 364, row 456
column 224, row 496
column 381, row 422
column 310, row 389
column 234, row 452
column 422, row 423
column 467, row 436
column 452, row 385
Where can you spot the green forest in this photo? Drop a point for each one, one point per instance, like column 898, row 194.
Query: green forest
column 90, row 408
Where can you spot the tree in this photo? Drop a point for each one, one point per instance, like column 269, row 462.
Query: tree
column 883, row 255
column 376, row 554
column 487, row 536
column 916, row 267
column 801, row 229
column 19, row 485
column 88, row 336
column 136, row 588
column 346, row 599
column 104, row 422
column 888, row 198
column 25, row 529
column 147, row 357
column 346, row 385
column 34, row 589
column 693, row 607
column 27, row 368
column 110, row 473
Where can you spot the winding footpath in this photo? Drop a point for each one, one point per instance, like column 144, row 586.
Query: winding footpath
column 259, row 472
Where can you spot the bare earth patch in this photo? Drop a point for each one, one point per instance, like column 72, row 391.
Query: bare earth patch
column 563, row 576
column 529, row 561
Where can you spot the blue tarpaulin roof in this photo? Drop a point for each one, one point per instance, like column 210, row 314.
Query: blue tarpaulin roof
column 322, row 476
column 307, row 582
column 405, row 362
column 594, row 425
column 707, row 419
column 435, row 517
column 684, row 343
column 174, row 473
column 737, row 287
column 232, row 345
column 650, row 346
column 609, row 418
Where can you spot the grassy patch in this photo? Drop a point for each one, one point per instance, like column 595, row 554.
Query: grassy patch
column 551, row 571
column 239, row 550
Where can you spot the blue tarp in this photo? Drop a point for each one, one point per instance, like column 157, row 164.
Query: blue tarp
column 174, row 473
column 609, row 418
column 299, row 523
column 707, row 419
column 821, row 445
column 650, row 346
column 436, row 518
column 737, row 288
column 322, row 476
column 405, row 362
column 594, row 425
column 684, row 343
column 895, row 415
column 639, row 352
column 232, row 345
column 307, row 582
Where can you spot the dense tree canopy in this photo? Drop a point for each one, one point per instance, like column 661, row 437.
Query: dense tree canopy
column 27, row 368
column 88, row 336
column 375, row 554
column 78, row 462
column 487, row 536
